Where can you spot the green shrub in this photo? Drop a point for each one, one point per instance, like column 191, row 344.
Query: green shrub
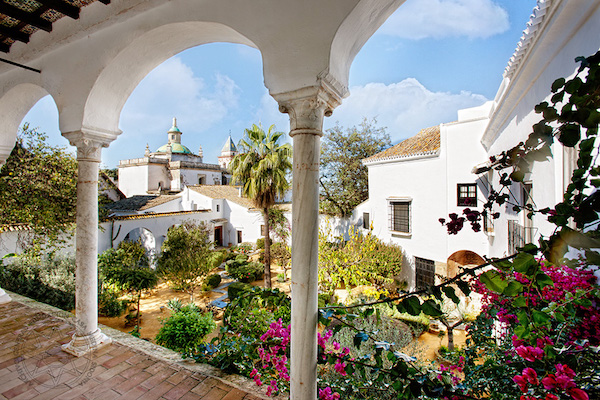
column 109, row 304
column 212, row 281
column 185, row 329
column 241, row 258
column 252, row 311
column 246, row 272
column 281, row 253
column 260, row 243
column 236, row 289
column 49, row 280
column 243, row 248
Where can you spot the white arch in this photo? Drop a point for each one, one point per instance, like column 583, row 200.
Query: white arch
column 118, row 80
column 15, row 104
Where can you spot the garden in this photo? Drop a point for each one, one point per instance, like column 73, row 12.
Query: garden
column 536, row 335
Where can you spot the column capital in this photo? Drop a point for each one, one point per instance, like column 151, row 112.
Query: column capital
column 307, row 106
column 89, row 142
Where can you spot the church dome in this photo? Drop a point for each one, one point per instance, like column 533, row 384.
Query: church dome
column 174, row 135
column 175, row 148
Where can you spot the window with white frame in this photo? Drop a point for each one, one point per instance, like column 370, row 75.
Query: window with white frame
column 399, row 215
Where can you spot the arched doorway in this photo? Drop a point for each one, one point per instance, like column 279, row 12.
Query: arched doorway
column 148, row 241
column 461, row 259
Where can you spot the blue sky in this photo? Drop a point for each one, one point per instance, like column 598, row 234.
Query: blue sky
column 430, row 59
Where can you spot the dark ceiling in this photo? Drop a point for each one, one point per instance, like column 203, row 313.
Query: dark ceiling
column 20, row 18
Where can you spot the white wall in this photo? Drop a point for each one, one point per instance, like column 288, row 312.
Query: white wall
column 190, row 176
column 461, row 145
column 133, row 180
column 572, row 31
column 16, row 241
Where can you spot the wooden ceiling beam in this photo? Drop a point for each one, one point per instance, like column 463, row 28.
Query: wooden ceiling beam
column 14, row 34
column 65, row 8
column 25, row 17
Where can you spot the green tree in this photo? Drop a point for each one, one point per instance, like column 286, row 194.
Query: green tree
column 38, row 186
column 344, row 180
column 127, row 268
column 187, row 257
column 262, row 169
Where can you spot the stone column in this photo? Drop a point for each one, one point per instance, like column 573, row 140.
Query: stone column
column 87, row 336
column 4, row 153
column 306, row 108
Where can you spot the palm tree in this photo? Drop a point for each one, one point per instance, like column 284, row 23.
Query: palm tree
column 262, row 169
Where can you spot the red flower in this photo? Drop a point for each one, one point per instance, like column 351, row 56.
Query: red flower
column 531, row 376
column 578, row 394
column 530, row 353
column 522, row 382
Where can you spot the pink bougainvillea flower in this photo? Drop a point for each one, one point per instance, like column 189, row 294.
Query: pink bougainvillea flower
column 328, row 394
column 565, row 370
column 530, row 353
column 522, row 382
column 340, row 367
column 549, row 382
column 551, row 396
column 531, row 376
column 578, row 394
column 564, row 382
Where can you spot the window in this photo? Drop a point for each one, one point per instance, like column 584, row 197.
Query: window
column 399, row 212
column 425, row 272
column 466, row 194
column 366, row 222
column 218, row 208
column 239, row 237
column 201, row 179
column 516, row 236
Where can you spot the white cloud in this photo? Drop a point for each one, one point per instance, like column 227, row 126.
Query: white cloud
column 419, row 19
column 172, row 90
column 268, row 114
column 403, row 108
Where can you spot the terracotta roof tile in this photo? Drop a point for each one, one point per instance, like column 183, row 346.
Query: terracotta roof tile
column 427, row 141
column 140, row 203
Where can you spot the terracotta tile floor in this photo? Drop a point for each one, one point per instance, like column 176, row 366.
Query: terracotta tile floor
column 33, row 366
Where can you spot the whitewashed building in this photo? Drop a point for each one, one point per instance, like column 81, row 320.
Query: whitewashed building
column 231, row 218
column 445, row 169
column 557, row 33
column 172, row 167
column 420, row 180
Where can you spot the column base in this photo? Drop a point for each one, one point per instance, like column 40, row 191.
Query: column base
column 4, row 297
column 81, row 345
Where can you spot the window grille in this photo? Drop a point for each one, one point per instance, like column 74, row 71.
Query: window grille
column 399, row 213
column 516, row 236
column 466, row 194
column 425, row 272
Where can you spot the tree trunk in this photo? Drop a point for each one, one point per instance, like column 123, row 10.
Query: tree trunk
column 267, row 249
column 137, row 316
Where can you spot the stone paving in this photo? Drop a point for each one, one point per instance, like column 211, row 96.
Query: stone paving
column 33, row 366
